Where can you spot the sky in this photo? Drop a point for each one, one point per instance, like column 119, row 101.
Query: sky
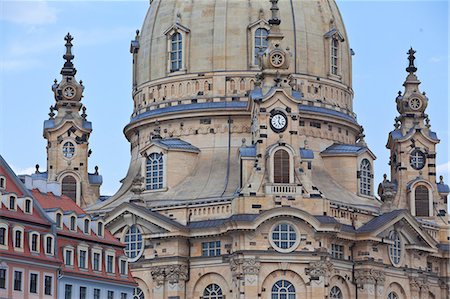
column 32, row 45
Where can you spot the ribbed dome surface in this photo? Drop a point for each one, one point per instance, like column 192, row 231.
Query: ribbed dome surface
column 220, row 36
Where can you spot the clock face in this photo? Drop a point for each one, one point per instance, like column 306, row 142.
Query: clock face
column 69, row 92
column 415, row 104
column 277, row 59
column 278, row 122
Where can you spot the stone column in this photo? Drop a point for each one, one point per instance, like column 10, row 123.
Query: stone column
column 319, row 273
column 158, row 276
column 419, row 287
column 366, row 283
column 169, row 281
column 245, row 273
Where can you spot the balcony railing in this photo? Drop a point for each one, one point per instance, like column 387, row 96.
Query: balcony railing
column 283, row 189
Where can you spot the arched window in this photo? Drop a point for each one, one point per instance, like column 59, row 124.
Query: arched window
column 334, row 56
column 283, row 289
column 395, row 250
column 213, row 291
column 12, row 202
column 2, row 183
column 260, row 44
column 18, row 239
column 100, row 229
column 3, row 236
column 154, row 172
column 133, row 243
column 86, row 226
column 392, row 295
column 281, row 167
column 28, row 206
column 69, row 187
column 49, row 245
column 34, row 242
column 58, row 220
column 365, row 178
column 176, row 52
column 73, row 223
column 335, row 293
column 422, row 201
column 138, row 294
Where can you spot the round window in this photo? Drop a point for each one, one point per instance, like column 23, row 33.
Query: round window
column 395, row 250
column 284, row 237
column 417, row 159
column 133, row 243
column 68, row 150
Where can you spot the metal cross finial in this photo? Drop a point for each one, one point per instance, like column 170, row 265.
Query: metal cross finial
column 411, row 68
column 274, row 9
column 68, row 69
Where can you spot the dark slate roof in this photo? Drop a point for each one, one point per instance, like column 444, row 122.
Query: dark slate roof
column 433, row 135
column 40, row 175
column 95, row 179
column 379, row 221
column 443, row 188
column 175, row 143
column 190, row 107
column 444, row 247
column 256, row 94
column 87, row 125
column 248, row 151
column 322, row 110
column 338, row 148
column 49, row 123
column 306, row 153
column 298, row 95
column 397, row 134
column 348, row 228
column 326, row 219
column 218, row 222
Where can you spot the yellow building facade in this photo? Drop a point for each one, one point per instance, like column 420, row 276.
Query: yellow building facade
column 249, row 174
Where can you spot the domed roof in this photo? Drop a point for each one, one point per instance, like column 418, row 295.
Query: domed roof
column 220, row 34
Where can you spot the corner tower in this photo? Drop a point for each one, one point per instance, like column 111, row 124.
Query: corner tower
column 413, row 154
column 67, row 133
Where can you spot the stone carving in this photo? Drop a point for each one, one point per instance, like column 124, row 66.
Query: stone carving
column 419, row 283
column 244, row 266
column 369, row 276
column 319, row 269
column 171, row 273
column 387, row 191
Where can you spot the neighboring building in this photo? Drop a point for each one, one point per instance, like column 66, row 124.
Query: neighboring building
column 28, row 262
column 249, row 173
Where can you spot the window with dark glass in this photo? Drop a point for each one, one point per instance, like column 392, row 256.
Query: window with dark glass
column 83, row 292
column 68, row 258
column 18, row 239
column 2, row 278
column 134, row 243
column 86, row 226
column 213, row 291
column 96, row 293
column 138, row 294
column 283, row 289
column 2, row 236
column 48, row 245
column 68, row 291
column 337, row 251
column 335, row 293
column 109, row 263
column 110, row 294
column 72, row 223
column 123, row 267
column 211, row 248
column 123, row 295
column 260, row 43
column 422, row 201
column 48, row 285
column 365, row 179
column 34, row 242
column 12, row 202
column 69, row 187
column 58, row 220
column 28, row 206
column 96, row 261
column 334, row 56
column 33, row 283
column 17, row 280
column 100, row 229
column 83, row 255
column 281, row 167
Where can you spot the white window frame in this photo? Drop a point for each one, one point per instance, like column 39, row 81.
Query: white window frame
column 368, row 176
column 213, row 291
column 72, row 251
column 22, row 280
column 138, row 253
column 395, row 251
column 6, row 268
column 101, row 232
column 334, row 56
column 75, row 223
column 336, row 293
column 209, row 246
column 113, row 254
column 52, row 251
column 336, row 251
column 170, row 32
column 88, row 226
column 278, row 292
column 24, row 201
column 6, row 227
column 164, row 162
column 99, row 251
column 261, row 23
column 52, row 286
column 38, row 242
column 86, row 257
column 37, row 282
column 15, row 229
column 296, row 243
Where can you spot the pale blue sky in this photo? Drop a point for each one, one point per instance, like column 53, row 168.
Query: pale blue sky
column 32, row 45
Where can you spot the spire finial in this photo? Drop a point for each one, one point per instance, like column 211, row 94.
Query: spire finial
column 68, row 69
column 274, row 9
column 411, row 68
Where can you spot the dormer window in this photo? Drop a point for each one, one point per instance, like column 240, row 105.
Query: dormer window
column 334, row 56
column 58, row 220
column 86, row 226
column 365, row 178
column 3, row 235
column 18, row 237
column 2, row 182
column 34, row 242
column 176, row 52
column 12, row 202
column 28, row 206
column 100, row 229
column 260, row 44
column 73, row 221
column 49, row 240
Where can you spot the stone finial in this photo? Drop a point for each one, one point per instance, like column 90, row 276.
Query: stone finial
column 96, row 170
column 68, row 68
column 384, row 177
column 275, row 10
column 51, row 114
column 441, row 179
column 244, row 141
column 411, row 68
column 37, row 169
column 84, row 115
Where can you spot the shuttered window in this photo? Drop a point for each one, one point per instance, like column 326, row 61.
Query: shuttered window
column 69, row 187
column 281, row 167
column 422, row 201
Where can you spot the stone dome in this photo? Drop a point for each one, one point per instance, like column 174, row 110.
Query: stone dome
column 219, row 36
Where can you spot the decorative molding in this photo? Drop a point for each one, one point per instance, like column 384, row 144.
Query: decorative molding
column 319, row 269
column 369, row 276
column 419, row 283
column 244, row 266
column 171, row 273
